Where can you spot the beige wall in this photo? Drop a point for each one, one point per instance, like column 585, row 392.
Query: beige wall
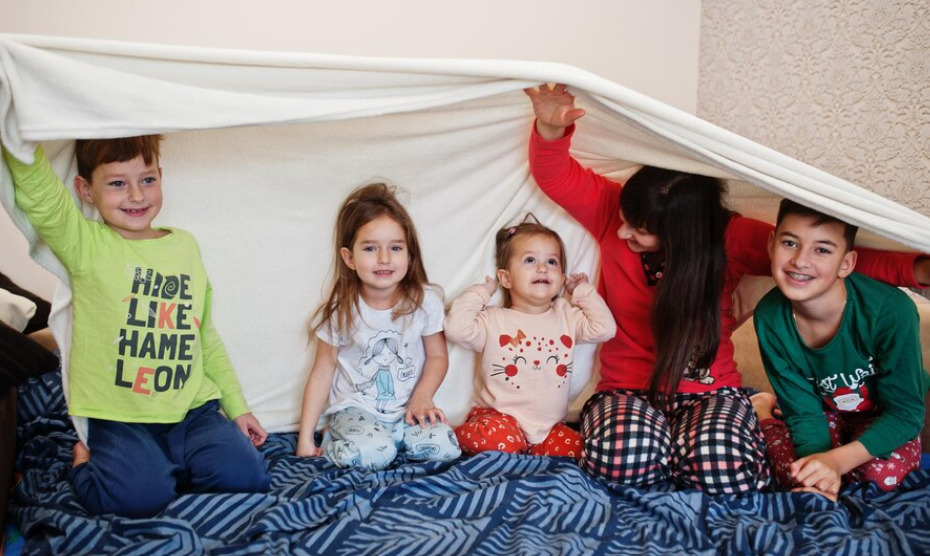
column 651, row 47
column 844, row 86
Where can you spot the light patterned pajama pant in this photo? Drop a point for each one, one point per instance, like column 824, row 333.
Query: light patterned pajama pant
column 357, row 438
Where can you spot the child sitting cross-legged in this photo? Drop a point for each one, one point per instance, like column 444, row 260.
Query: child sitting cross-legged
column 147, row 368
column 842, row 352
column 528, row 345
column 380, row 351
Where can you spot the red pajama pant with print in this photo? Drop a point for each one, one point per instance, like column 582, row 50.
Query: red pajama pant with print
column 486, row 430
column 844, row 428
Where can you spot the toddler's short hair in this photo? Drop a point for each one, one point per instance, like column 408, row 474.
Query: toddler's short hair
column 91, row 153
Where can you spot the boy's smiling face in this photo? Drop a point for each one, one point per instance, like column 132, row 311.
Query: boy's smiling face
column 809, row 261
column 126, row 194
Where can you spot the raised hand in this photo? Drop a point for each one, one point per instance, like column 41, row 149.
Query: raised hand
column 574, row 280
column 490, row 285
column 555, row 109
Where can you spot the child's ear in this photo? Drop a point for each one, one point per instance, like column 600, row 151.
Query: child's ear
column 346, row 255
column 82, row 187
column 503, row 277
column 772, row 244
column 848, row 264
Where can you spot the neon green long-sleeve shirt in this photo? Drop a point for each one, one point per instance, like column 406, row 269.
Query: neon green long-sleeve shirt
column 144, row 349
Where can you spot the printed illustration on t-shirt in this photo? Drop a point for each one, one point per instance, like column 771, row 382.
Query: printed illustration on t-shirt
column 847, row 391
column 382, row 365
column 701, row 375
column 161, row 329
column 524, row 359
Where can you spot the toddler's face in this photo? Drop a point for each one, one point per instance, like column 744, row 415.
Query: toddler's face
column 379, row 255
column 534, row 274
column 126, row 194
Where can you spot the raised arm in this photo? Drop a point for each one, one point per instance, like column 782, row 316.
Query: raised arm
column 591, row 199
column 467, row 322
column 595, row 324
column 41, row 194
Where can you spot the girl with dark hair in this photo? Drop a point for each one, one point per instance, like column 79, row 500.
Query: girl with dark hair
column 527, row 345
column 380, row 351
column 669, row 404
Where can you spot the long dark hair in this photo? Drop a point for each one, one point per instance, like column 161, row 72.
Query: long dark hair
column 686, row 211
column 363, row 205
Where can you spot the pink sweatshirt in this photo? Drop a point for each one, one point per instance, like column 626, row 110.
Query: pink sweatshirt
column 528, row 359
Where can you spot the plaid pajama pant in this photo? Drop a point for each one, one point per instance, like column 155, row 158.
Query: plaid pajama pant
column 710, row 440
column 844, row 427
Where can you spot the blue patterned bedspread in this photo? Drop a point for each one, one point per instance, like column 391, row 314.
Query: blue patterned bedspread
column 492, row 504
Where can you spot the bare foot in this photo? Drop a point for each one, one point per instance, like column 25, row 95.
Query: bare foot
column 763, row 404
column 81, row 454
column 828, row 495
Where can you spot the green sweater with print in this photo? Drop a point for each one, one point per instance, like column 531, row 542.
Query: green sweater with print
column 144, row 349
column 874, row 363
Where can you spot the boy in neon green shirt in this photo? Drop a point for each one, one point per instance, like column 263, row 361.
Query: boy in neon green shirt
column 147, row 368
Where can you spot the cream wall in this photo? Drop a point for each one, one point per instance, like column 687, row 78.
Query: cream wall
column 651, row 47
column 843, row 86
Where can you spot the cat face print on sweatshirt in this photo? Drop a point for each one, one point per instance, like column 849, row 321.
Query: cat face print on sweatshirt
column 523, row 359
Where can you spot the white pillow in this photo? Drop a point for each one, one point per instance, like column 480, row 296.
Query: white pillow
column 15, row 310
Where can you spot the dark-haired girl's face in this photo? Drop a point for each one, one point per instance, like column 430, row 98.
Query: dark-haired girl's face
column 638, row 239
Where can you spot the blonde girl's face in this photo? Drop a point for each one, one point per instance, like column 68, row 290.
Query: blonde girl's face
column 534, row 274
column 379, row 256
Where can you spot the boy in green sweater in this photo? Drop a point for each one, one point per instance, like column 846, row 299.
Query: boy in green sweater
column 842, row 352
column 147, row 369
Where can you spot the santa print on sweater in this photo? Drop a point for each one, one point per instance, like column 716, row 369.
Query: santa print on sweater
column 847, row 392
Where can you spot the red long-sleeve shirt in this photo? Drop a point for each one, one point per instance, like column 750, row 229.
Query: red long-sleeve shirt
column 628, row 359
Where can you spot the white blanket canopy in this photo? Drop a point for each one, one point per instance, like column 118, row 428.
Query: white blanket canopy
column 262, row 147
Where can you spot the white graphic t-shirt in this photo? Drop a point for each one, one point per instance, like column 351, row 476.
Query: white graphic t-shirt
column 380, row 360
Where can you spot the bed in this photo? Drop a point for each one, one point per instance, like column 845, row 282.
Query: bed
column 490, row 504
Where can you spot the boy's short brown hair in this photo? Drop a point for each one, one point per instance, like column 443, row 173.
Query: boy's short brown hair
column 788, row 206
column 91, row 153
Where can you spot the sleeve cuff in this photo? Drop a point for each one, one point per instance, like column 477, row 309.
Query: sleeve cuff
column 566, row 139
column 582, row 291
column 234, row 405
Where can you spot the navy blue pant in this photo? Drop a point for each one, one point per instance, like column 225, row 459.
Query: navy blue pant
column 136, row 469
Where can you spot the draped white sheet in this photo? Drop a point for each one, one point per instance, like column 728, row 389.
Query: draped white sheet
column 262, row 147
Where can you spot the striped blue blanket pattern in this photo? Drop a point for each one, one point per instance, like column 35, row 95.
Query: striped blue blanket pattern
column 491, row 504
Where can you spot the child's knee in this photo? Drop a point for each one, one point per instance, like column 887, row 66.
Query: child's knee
column 373, row 456
column 242, row 473
column 497, row 432
column 431, row 443
column 137, row 497
column 562, row 441
column 719, row 465
column 625, row 440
